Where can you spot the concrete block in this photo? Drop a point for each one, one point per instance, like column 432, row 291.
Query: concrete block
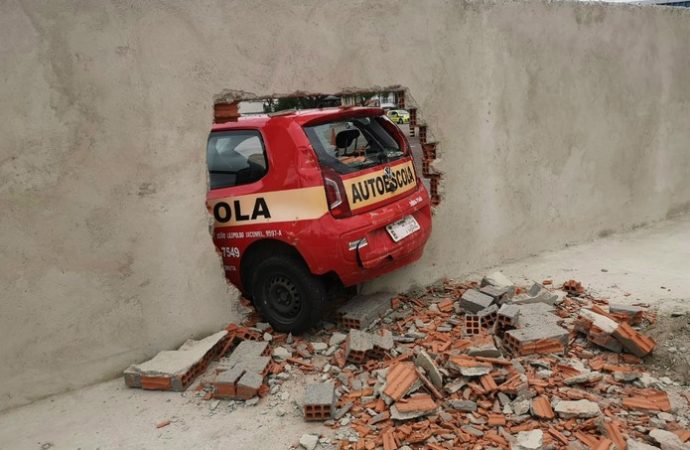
column 536, row 319
column 507, row 317
column 357, row 346
column 497, row 293
column 381, row 344
column 362, row 310
column 474, row 301
column 319, row 401
column 482, row 320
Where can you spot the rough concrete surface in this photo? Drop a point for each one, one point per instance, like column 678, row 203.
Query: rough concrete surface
column 557, row 122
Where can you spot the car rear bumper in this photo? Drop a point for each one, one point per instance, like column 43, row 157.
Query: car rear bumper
column 354, row 261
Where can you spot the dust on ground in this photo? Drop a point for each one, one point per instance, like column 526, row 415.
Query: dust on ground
column 672, row 355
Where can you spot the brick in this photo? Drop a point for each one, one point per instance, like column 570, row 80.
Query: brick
column 319, row 401
column 358, row 345
column 541, row 408
column 417, row 403
column 359, row 312
column 474, row 301
column 496, row 419
column 536, row 340
column 400, row 379
column 649, row 400
column 248, row 385
column 633, row 341
column 632, row 314
column 483, row 345
column 225, row 384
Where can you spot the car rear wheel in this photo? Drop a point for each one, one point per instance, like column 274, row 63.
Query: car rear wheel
column 287, row 295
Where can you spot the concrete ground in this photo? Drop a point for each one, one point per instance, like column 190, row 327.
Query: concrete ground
column 651, row 264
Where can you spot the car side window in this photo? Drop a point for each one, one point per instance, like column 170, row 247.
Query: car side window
column 235, row 158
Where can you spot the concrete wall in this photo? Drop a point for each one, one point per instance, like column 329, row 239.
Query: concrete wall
column 557, row 122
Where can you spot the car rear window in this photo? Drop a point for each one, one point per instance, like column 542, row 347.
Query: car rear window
column 354, row 144
column 235, row 158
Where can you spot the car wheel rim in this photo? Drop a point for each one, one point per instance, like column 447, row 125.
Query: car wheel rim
column 284, row 298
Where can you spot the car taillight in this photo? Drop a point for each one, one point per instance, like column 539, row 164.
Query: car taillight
column 335, row 195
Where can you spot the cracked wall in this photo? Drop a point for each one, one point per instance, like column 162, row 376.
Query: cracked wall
column 558, row 121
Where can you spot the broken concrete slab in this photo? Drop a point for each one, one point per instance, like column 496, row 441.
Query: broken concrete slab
column 637, row 445
column 528, row 440
column 499, row 294
column 463, row 405
column 497, row 279
column 581, row 409
column 426, row 362
column 309, row 441
column 176, row 369
column 474, row 301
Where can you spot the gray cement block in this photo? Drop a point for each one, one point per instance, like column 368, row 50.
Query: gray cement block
column 247, row 349
column 474, row 301
column 537, row 319
column 319, row 401
column 362, row 310
column 494, row 291
column 319, row 394
column 509, row 313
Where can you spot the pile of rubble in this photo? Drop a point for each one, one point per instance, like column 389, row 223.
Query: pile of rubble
column 462, row 365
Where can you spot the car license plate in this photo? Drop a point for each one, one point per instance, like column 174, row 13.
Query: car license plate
column 402, row 228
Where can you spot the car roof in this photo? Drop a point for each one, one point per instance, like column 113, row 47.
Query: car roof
column 302, row 117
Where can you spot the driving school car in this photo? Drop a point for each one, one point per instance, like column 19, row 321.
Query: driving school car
column 303, row 201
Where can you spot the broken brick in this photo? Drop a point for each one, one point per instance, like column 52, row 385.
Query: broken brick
column 400, row 380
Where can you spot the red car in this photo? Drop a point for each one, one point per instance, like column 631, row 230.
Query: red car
column 306, row 200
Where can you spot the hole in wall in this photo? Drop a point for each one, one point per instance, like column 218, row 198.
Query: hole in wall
column 396, row 101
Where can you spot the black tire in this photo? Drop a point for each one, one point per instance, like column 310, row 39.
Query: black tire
column 287, row 295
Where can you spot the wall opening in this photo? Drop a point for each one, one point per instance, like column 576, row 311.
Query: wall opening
column 396, row 101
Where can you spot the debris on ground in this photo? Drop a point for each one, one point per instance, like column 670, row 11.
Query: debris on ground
column 488, row 365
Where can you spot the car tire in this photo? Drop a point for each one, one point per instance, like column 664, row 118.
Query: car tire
column 287, row 295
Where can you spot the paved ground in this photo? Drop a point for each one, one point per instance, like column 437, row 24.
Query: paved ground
column 651, row 264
